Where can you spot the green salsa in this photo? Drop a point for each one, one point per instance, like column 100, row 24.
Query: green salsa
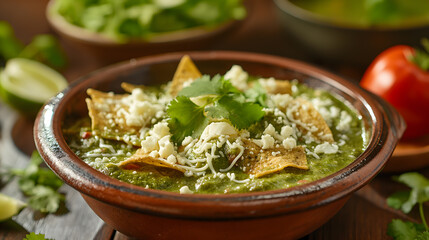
column 323, row 158
column 370, row 12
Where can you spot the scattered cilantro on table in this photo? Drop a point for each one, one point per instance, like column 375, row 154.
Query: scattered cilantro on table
column 221, row 101
column 43, row 48
column 405, row 201
column 34, row 236
column 40, row 185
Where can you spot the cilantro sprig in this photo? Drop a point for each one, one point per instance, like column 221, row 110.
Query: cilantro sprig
column 34, row 236
column 405, row 201
column 186, row 118
column 222, row 101
column 44, row 48
column 39, row 184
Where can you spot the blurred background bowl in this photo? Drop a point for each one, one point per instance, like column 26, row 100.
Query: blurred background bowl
column 341, row 42
column 107, row 50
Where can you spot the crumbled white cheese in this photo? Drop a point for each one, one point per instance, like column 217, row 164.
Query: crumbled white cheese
column 216, row 129
column 289, row 143
column 267, row 141
column 185, row 190
column 326, row 148
column 154, row 154
column 166, row 147
column 281, row 101
column 286, row 131
column 150, row 144
column 160, row 130
column 141, row 109
column 270, row 130
column 238, row 77
column 187, row 140
column 268, row 83
column 345, row 120
column 171, row 159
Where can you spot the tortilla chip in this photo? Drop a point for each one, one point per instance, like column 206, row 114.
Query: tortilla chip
column 310, row 120
column 128, row 87
column 105, row 121
column 185, row 71
column 282, row 87
column 260, row 162
column 142, row 158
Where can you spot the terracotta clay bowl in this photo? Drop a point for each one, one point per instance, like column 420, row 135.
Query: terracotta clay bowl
column 155, row 214
column 339, row 42
column 107, row 50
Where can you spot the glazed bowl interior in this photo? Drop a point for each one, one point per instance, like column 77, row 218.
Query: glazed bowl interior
column 383, row 125
column 340, row 42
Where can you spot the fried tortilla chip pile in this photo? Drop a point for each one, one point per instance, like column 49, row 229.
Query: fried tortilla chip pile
column 256, row 161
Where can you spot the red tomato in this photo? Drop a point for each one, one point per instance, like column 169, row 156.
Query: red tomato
column 404, row 85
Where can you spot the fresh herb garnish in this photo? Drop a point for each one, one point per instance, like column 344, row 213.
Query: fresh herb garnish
column 209, row 86
column 186, row 118
column 257, row 94
column 221, row 101
column 406, row 200
column 240, row 113
column 40, row 185
column 34, row 236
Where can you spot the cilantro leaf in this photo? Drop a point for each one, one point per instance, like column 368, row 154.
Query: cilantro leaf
column 257, row 94
column 401, row 230
column 419, row 189
column 186, row 118
column 422, row 235
column 45, row 199
column 221, row 101
column 405, row 201
column 46, row 49
column 397, row 199
column 240, row 114
column 10, row 46
column 40, row 185
column 206, row 86
column 34, row 236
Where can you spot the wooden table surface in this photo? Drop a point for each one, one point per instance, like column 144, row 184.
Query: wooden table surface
column 365, row 215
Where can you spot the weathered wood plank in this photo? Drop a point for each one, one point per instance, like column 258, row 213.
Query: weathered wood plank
column 75, row 220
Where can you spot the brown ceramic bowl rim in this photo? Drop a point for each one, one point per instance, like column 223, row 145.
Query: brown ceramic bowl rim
column 59, row 23
column 297, row 12
column 59, row 157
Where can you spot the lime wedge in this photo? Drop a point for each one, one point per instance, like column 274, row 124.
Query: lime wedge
column 9, row 206
column 27, row 84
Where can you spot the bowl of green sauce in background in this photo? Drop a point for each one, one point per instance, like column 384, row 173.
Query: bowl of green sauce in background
column 353, row 31
column 118, row 30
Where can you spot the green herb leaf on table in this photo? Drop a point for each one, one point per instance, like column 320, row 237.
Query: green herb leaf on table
column 419, row 189
column 10, row 46
column 45, row 48
column 405, row 201
column 40, row 185
column 401, row 230
column 34, row 236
